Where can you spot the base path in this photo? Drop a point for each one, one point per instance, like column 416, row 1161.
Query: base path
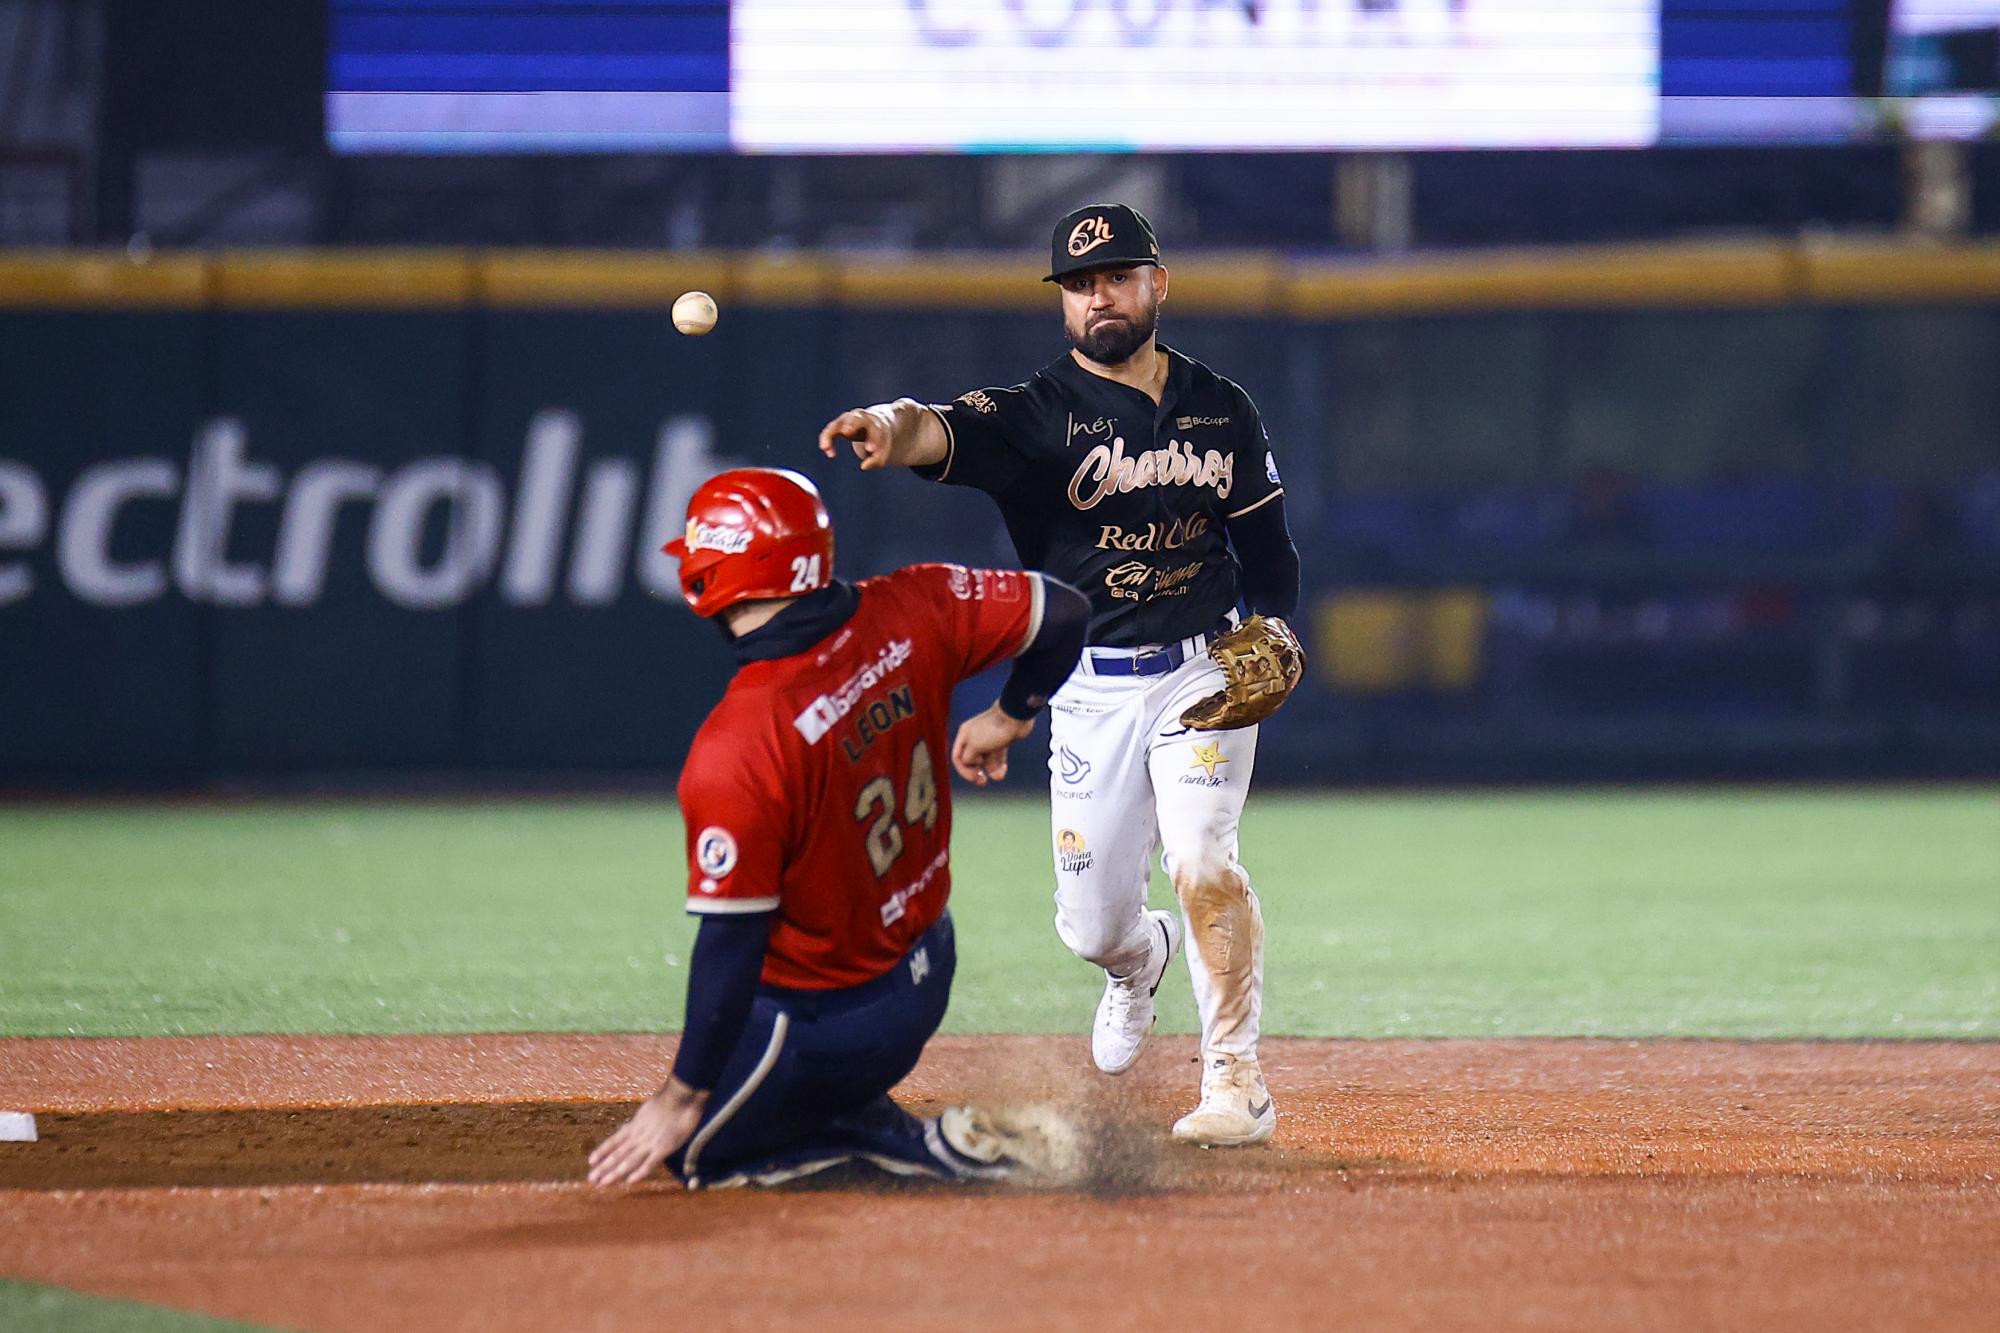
column 364, row 1183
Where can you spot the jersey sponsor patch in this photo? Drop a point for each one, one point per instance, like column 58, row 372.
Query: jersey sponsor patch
column 715, row 853
column 1271, row 467
column 1101, row 426
column 821, row 715
column 999, row 585
column 1169, row 535
column 986, row 585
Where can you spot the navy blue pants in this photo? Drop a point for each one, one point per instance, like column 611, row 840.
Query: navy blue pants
column 807, row 1084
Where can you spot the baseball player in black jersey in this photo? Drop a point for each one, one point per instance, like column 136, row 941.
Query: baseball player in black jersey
column 1144, row 478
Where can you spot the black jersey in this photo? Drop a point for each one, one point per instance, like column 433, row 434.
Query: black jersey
column 1124, row 499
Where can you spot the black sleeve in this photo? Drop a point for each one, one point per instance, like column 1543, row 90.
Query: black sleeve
column 1270, row 562
column 1042, row 666
column 1253, row 479
column 723, row 972
column 980, row 432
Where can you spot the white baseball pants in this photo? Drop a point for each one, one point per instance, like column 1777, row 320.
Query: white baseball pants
column 1126, row 778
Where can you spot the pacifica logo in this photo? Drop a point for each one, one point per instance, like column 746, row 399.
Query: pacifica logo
column 1108, row 468
column 1087, row 235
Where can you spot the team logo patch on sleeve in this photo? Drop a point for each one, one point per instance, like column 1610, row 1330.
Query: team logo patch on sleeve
column 715, row 851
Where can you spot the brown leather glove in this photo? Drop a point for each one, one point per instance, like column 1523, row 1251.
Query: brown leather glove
column 1263, row 662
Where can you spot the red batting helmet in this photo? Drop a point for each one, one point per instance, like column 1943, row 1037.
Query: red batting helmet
column 753, row 532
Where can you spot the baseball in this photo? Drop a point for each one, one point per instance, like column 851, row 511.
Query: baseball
column 694, row 313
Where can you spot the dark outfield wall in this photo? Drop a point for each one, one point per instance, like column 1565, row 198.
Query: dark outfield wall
column 255, row 544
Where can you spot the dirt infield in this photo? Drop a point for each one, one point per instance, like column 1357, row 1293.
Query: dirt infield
column 361, row 1183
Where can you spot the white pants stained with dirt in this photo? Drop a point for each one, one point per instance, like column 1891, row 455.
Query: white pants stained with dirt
column 1126, row 779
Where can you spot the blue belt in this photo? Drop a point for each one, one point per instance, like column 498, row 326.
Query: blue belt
column 1156, row 663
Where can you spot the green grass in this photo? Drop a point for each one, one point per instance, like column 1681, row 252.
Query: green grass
column 25, row 1308
column 1756, row 913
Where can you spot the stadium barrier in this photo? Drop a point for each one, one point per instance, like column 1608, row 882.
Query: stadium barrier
column 1705, row 509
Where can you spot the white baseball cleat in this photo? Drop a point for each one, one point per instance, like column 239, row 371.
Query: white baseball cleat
column 1235, row 1110
column 1125, row 1014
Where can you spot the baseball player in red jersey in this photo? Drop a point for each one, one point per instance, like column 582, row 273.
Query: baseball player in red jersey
column 818, row 833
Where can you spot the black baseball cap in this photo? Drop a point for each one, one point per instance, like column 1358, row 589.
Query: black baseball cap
column 1101, row 236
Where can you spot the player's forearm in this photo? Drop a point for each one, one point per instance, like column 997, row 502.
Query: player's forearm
column 916, row 435
column 1045, row 663
column 1270, row 562
column 723, row 971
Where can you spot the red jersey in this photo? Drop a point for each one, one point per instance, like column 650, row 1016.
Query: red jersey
column 820, row 785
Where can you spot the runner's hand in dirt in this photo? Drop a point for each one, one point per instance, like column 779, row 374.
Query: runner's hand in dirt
column 663, row 1122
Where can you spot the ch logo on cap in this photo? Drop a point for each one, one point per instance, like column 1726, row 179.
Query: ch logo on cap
column 1088, row 234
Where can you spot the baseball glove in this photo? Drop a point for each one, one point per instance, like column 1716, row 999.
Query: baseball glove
column 1263, row 661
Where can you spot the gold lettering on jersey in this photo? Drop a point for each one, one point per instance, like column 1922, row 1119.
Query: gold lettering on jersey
column 875, row 720
column 1154, row 536
column 1175, row 582
column 1128, row 580
column 1137, row 581
column 824, row 713
column 1108, row 468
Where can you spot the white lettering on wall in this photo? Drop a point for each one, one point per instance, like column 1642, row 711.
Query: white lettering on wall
column 547, row 473
column 219, row 478
column 604, row 533
column 24, row 521
column 312, row 514
column 437, row 529
column 470, row 495
column 83, row 546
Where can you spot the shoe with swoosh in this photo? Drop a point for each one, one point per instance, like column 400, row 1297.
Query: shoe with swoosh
column 1235, row 1110
column 1125, row 1014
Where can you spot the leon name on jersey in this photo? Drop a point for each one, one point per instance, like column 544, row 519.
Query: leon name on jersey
column 826, row 712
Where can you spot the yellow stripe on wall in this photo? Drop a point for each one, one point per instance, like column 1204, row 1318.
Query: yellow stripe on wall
column 1886, row 272
column 532, row 278
column 1249, row 285
column 970, row 283
column 1553, row 279
column 93, row 280
column 343, row 279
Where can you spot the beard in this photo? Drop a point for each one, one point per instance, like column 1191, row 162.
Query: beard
column 1112, row 342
